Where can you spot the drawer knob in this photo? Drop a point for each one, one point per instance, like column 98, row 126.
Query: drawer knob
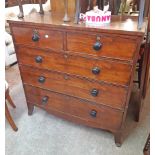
column 93, row 113
column 65, row 56
column 66, row 77
column 41, row 79
column 45, row 99
column 38, row 59
column 96, row 70
column 97, row 46
column 35, row 36
column 94, row 92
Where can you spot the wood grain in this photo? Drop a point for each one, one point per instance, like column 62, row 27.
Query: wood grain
column 123, row 25
column 112, row 46
column 110, row 71
column 67, row 59
column 78, row 87
column 48, row 38
column 75, row 107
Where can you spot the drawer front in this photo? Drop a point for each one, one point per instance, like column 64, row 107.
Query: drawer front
column 102, row 70
column 102, row 45
column 38, row 37
column 105, row 117
column 93, row 91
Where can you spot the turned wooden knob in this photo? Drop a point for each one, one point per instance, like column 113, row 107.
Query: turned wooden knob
column 38, row 59
column 94, row 92
column 45, row 99
column 35, row 36
column 96, row 70
column 41, row 79
column 93, row 113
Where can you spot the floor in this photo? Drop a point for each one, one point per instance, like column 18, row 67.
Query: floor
column 45, row 134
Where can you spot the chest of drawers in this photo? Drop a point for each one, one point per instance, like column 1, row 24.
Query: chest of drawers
column 80, row 73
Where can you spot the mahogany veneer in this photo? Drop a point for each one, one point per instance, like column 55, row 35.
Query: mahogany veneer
column 76, row 86
column 80, row 73
column 109, row 71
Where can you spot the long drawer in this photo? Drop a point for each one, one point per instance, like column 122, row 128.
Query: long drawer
column 100, row 93
column 99, row 116
column 97, row 69
column 42, row 38
column 102, row 45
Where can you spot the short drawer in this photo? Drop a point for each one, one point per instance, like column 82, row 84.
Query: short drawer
column 97, row 115
column 102, row 45
column 42, row 38
column 100, row 93
column 97, row 69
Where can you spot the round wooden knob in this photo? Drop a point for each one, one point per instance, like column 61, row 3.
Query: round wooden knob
column 45, row 99
column 66, row 77
column 38, row 59
column 41, row 79
column 93, row 113
column 35, row 36
column 96, row 70
column 97, row 46
column 94, row 92
column 65, row 56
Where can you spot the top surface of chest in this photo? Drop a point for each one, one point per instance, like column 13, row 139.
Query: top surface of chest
column 126, row 25
column 118, row 40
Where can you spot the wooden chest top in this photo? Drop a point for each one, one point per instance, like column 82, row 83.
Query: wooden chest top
column 119, row 24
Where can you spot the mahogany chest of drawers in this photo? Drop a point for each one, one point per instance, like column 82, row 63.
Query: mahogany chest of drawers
column 80, row 73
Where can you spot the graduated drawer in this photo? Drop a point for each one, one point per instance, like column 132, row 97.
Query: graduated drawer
column 102, row 45
column 42, row 38
column 100, row 93
column 97, row 69
column 99, row 116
